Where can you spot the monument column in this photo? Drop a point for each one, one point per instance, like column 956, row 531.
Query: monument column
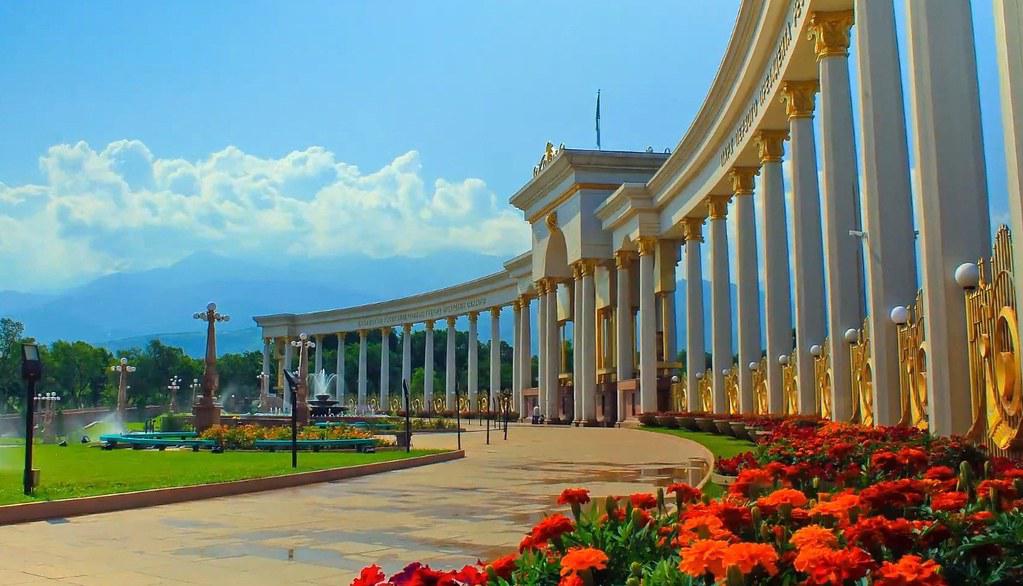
column 623, row 326
column 385, row 368
column 428, row 369
column 406, row 356
column 553, row 350
column 541, row 349
column 363, row 381
column 588, row 345
column 516, row 355
column 747, row 281
column 954, row 223
column 526, row 376
column 266, row 367
column 495, row 355
column 721, row 298
column 696, row 359
column 578, row 377
column 449, row 365
column 807, row 242
column 340, row 380
column 647, row 327
column 844, row 258
column 473, row 374
column 318, row 361
column 887, row 200
column 778, row 286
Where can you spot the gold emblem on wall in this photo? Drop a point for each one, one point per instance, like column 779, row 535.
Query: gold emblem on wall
column 994, row 350
column 790, row 386
column 822, row 374
column 706, row 391
column 913, row 366
column 732, row 390
column 549, row 154
column 862, row 378
column 761, row 404
column 678, row 394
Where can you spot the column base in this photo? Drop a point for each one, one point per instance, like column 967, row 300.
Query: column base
column 205, row 414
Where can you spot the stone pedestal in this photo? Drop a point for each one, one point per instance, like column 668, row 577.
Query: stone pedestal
column 205, row 414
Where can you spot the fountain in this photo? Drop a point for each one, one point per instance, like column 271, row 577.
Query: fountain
column 323, row 406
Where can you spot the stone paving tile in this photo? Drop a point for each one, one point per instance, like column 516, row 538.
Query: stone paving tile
column 447, row 515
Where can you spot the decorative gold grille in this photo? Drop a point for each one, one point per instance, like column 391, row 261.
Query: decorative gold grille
column 706, row 391
column 678, row 395
column 862, row 373
column 913, row 367
column 732, row 390
column 790, row 386
column 761, row 404
column 395, row 404
column 993, row 337
column 822, row 374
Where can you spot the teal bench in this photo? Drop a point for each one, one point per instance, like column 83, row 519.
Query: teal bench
column 112, row 441
column 359, row 445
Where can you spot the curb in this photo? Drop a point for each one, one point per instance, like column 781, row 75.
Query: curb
column 90, row 505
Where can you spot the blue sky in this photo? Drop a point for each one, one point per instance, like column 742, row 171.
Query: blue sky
column 414, row 121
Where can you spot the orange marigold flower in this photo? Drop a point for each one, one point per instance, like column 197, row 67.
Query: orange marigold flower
column 571, row 580
column 685, row 492
column 783, row 496
column 949, row 501
column 643, row 500
column 814, row 536
column 910, row 570
column 836, row 506
column 582, row 559
column 703, row 556
column 550, row 528
column 579, row 496
column 824, row 566
column 747, row 556
column 504, row 566
column 702, row 527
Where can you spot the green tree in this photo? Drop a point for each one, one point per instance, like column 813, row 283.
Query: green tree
column 77, row 371
column 10, row 360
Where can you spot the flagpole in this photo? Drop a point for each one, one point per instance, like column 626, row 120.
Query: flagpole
column 598, row 119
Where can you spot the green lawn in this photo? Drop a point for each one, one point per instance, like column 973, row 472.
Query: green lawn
column 722, row 446
column 78, row 470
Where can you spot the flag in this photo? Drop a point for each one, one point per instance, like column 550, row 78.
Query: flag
column 598, row 120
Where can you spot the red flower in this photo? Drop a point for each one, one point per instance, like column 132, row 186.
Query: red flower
column 370, row 576
column 504, row 566
column 571, row 580
column 939, row 473
column 642, row 500
column 578, row 496
column 871, row 532
column 684, row 492
column 949, row 501
column 583, row 559
column 547, row 530
column 894, row 495
column 910, row 570
column 826, row 566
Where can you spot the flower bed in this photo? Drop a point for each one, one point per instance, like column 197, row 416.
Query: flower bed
column 821, row 504
column 243, row 437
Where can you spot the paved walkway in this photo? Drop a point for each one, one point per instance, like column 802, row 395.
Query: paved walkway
column 446, row 515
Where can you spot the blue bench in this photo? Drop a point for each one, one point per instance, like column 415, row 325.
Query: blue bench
column 360, row 445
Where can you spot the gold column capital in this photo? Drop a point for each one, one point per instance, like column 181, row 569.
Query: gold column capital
column 587, row 266
column 623, row 258
column 577, row 270
column 429, row 325
column 830, row 33
column 363, row 333
column 473, row 315
column 771, row 144
column 495, row 311
column 451, row 320
column 647, row 245
column 692, row 229
column 386, row 331
column 799, row 98
column 406, row 328
column 743, row 181
column 717, row 206
column 540, row 285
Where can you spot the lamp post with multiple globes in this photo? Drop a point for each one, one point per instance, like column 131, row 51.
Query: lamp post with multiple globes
column 123, row 369
column 206, row 411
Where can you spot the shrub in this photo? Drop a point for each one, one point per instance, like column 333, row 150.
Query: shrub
column 667, row 421
column 648, row 420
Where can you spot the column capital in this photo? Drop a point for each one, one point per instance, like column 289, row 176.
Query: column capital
column 429, row 325
column 577, row 270
column 771, row 144
column 406, row 328
column 386, row 331
column 472, row 316
column 451, row 321
column 799, row 97
column 623, row 258
column 587, row 266
column 830, row 31
column 495, row 311
column 647, row 245
column 692, row 229
column 524, row 300
column 718, row 206
column 341, row 335
column 363, row 333
column 743, row 181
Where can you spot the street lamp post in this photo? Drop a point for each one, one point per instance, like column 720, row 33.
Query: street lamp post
column 292, row 383
column 205, row 410
column 458, row 419
column 123, row 369
column 46, row 405
column 194, row 387
column 31, row 371
column 303, row 343
column 172, row 389
column 264, row 392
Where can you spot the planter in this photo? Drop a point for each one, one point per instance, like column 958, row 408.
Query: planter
column 688, row 422
column 721, row 479
column 706, row 424
column 739, row 429
column 760, row 434
column 723, row 427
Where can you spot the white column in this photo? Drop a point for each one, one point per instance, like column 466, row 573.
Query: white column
column 472, row 376
column 844, row 252
column 385, row 368
column 450, row 370
column 553, row 351
column 541, row 349
column 288, row 365
column 266, row 356
column 406, row 357
column 517, row 353
column 807, row 243
column 363, row 379
column 340, row 368
column 495, row 355
column 778, row 286
column 647, row 327
column 428, row 369
column 623, row 325
column 588, row 346
column 526, row 376
column 1009, row 46
column 954, row 223
column 721, row 302
column 747, row 281
column 578, row 376
column 887, row 199
column 318, row 359
column 696, row 360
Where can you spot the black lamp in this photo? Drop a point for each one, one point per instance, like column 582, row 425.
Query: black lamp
column 31, row 371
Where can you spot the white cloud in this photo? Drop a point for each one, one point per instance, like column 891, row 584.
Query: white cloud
column 123, row 207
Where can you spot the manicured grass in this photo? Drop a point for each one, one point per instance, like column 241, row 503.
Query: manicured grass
column 77, row 470
column 722, row 446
